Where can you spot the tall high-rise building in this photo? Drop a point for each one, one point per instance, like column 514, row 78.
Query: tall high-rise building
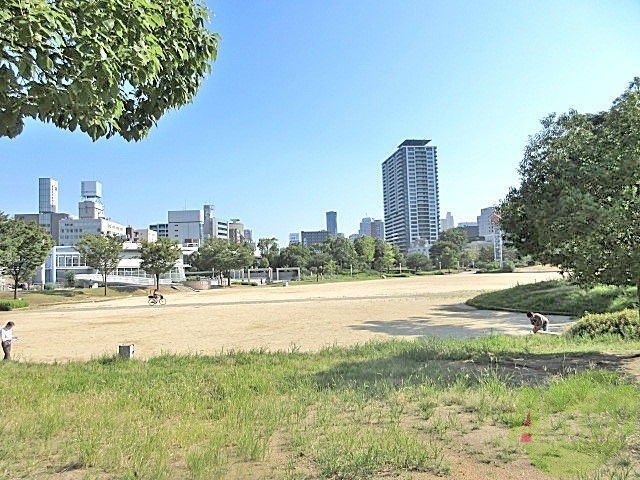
column 410, row 195
column 48, row 199
column 332, row 223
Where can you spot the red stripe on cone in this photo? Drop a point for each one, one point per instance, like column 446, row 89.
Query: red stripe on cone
column 525, row 437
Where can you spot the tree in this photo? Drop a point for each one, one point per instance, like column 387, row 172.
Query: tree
column 295, row 255
column 268, row 248
column 318, row 262
column 340, row 250
column 446, row 254
column 23, row 248
column 418, row 261
column 108, row 67
column 222, row 256
column 578, row 202
column 101, row 252
column 383, row 255
column 159, row 257
column 455, row 235
column 365, row 248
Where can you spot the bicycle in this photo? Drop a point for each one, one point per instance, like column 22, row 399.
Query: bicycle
column 157, row 300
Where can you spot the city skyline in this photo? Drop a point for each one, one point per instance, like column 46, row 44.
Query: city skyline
column 305, row 100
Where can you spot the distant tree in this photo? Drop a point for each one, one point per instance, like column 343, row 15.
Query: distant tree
column 418, row 262
column 366, row 249
column 295, row 255
column 23, row 248
column 108, row 67
column 383, row 255
column 318, row 262
column 455, row 235
column 486, row 254
column 101, row 252
column 340, row 250
column 222, row 256
column 269, row 251
column 445, row 254
column 159, row 257
column 469, row 257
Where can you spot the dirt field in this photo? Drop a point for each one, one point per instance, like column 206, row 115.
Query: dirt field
column 301, row 317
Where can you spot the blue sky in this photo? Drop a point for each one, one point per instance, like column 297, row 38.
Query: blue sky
column 308, row 98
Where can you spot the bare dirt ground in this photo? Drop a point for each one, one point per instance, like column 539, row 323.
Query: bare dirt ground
column 300, row 317
column 308, row 318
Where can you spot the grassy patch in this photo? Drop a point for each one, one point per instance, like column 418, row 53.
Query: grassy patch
column 7, row 305
column 578, row 423
column 377, row 409
column 557, row 297
column 51, row 297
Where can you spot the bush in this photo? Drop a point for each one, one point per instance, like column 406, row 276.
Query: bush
column 624, row 324
column 6, row 305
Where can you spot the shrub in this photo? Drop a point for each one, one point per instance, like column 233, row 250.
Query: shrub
column 6, row 305
column 624, row 324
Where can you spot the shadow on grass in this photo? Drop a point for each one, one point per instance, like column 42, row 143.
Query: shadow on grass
column 430, row 363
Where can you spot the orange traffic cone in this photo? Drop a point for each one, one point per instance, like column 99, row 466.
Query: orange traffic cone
column 526, row 437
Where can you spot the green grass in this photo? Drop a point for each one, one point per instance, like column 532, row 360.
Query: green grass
column 51, row 297
column 558, row 297
column 388, row 408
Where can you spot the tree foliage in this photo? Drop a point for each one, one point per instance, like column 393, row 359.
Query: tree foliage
column 159, row 257
column 294, row 255
column 418, row 262
column 23, row 248
column 579, row 200
column 455, row 235
column 101, row 252
column 269, row 251
column 108, row 67
column 222, row 256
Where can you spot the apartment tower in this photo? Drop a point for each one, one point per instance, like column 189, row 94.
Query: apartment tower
column 410, row 195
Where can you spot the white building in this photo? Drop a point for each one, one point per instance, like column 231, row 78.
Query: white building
column 64, row 259
column 72, row 229
column 486, row 227
column 447, row 222
column 294, row 238
column 410, row 195
column 186, row 226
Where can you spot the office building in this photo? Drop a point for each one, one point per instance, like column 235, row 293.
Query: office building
column 447, row 222
column 332, row 223
column 91, row 205
column 73, row 229
column 311, row 238
column 186, row 226
column 487, row 227
column 294, row 238
column 48, row 195
column 161, row 229
column 91, row 218
column 214, row 227
column 236, row 231
column 410, row 195
column 372, row 228
column 47, row 216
